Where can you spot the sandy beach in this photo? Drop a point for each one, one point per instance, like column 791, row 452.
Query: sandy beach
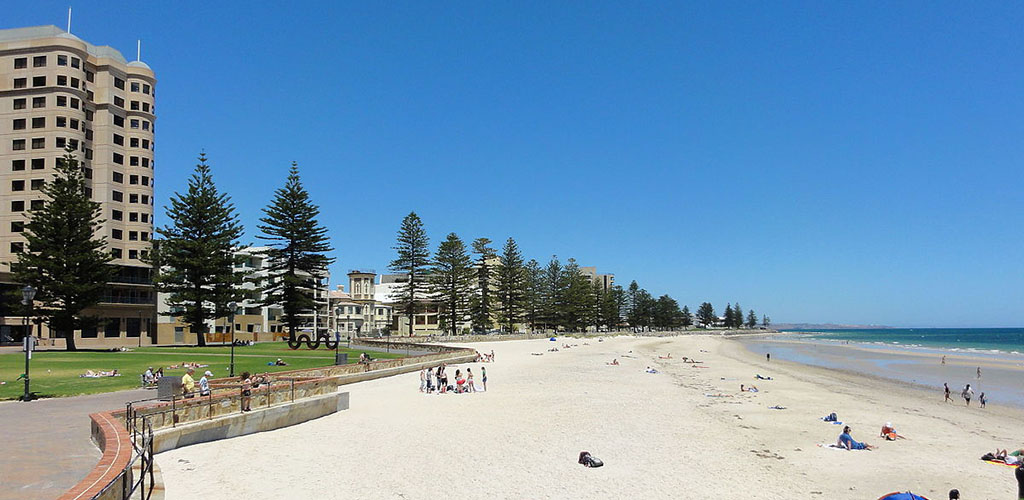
column 685, row 432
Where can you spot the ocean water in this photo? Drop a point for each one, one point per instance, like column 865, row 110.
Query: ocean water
column 974, row 340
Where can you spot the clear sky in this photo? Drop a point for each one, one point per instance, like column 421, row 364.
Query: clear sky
column 846, row 162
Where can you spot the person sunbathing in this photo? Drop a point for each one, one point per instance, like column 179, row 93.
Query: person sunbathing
column 889, row 432
column 759, row 377
column 846, row 441
column 1009, row 457
column 666, row 357
column 615, row 362
column 651, row 370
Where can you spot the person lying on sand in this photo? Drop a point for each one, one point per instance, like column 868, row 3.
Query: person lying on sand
column 666, row 357
column 615, row 362
column 889, row 432
column 1009, row 457
column 747, row 389
column 846, row 441
column 553, row 349
column 759, row 377
column 651, row 370
column 537, row 353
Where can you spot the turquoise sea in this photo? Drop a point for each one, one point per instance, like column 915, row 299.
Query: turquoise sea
column 980, row 340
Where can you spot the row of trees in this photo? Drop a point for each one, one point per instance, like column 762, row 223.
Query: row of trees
column 477, row 285
column 66, row 260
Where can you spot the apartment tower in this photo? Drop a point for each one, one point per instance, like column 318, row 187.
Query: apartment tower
column 58, row 91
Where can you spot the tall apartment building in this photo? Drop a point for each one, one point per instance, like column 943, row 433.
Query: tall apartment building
column 58, row 91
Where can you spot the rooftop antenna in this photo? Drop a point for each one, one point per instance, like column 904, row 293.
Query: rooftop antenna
column 138, row 51
column 69, row 19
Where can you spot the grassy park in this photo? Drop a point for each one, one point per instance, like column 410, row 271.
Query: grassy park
column 56, row 373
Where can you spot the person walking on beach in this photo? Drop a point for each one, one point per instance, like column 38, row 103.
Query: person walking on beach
column 946, row 387
column 943, row 359
column 483, row 377
column 1020, row 481
column 768, row 356
column 967, row 394
column 423, row 380
column 982, row 399
column 979, row 373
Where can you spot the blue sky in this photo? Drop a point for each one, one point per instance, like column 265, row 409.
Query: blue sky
column 853, row 163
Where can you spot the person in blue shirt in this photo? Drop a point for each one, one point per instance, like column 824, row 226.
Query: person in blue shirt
column 846, row 441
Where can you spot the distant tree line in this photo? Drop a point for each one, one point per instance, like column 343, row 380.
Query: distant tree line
column 478, row 288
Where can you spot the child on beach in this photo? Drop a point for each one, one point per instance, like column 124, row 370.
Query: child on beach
column 967, row 394
column 469, row 380
column 946, row 387
column 483, row 377
column 982, row 399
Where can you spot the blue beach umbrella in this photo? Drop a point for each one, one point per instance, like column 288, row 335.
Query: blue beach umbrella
column 902, row 496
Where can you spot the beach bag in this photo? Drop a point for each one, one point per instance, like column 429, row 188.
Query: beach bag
column 988, row 456
column 588, row 460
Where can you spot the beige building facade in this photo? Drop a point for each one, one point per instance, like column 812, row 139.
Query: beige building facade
column 58, row 91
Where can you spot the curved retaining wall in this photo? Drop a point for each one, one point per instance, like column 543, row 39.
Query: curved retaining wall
column 112, row 438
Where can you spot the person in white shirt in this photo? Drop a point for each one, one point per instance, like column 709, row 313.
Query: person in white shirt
column 967, row 394
column 204, row 384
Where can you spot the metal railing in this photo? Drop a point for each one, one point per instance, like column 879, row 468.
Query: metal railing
column 140, row 433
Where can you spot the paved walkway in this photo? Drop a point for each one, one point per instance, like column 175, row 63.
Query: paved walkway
column 47, row 446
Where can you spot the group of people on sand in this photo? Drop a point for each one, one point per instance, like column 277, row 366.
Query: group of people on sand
column 101, row 373
column 435, row 381
column 967, row 394
column 484, row 357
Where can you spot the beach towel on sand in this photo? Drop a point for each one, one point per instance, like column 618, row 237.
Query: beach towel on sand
column 999, row 462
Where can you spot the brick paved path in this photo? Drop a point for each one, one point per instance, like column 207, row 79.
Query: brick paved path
column 46, row 446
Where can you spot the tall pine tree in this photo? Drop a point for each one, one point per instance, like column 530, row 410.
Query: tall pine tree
column 511, row 285
column 706, row 315
column 297, row 255
column 412, row 259
column 65, row 259
column 195, row 258
column 451, row 281
column 553, row 296
column 751, row 319
column 481, row 306
column 686, row 317
column 534, row 298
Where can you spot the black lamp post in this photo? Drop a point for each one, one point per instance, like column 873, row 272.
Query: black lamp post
column 231, row 320
column 28, row 294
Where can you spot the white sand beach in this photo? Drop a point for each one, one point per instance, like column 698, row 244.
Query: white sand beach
column 659, row 435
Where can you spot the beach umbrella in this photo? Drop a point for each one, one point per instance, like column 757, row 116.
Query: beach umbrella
column 902, row 496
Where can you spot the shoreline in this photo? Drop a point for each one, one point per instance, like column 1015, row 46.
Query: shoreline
column 1001, row 381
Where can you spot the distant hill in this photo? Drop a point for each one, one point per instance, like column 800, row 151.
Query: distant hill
column 826, row 326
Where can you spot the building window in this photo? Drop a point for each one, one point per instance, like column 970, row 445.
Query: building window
column 112, row 328
column 38, row 163
column 133, row 179
column 36, row 204
column 62, row 60
column 39, row 143
column 62, row 121
column 20, row 103
column 133, row 198
column 145, row 144
column 39, row 122
column 133, row 254
column 20, row 63
column 119, row 139
column 62, row 80
column 89, row 76
column 133, row 217
column 74, row 103
column 17, row 247
column 115, row 253
column 18, row 144
column 39, row 62
column 135, row 86
column 118, row 83
column 135, row 105
column 18, row 124
column 117, row 195
column 88, row 115
column 75, row 62
column 17, row 165
column 145, row 199
column 133, row 236
column 134, row 142
column 119, row 177
column 116, row 234
column 119, row 121
column 145, row 180
column 61, row 142
column 17, row 226
column 62, row 101
column 18, row 206
column 38, row 81
column 119, row 158
column 119, row 102
column 74, row 125
column 133, row 161
column 145, row 125
column 38, row 102
column 18, row 185
column 145, row 88
column 144, row 216
column 88, row 173
column 145, row 107
column 117, row 215
column 143, row 235
column 135, row 123
column 37, row 184
column 75, row 82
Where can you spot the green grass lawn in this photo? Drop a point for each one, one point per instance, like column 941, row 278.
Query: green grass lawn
column 56, row 373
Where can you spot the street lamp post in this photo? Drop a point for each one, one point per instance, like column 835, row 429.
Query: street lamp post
column 27, row 295
column 231, row 324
